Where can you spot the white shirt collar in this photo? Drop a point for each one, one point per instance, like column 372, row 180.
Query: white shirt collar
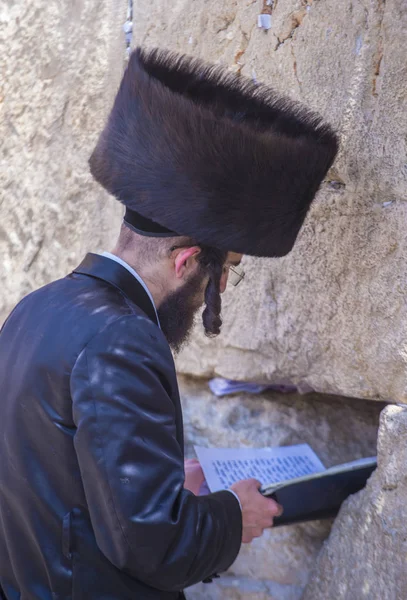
column 135, row 274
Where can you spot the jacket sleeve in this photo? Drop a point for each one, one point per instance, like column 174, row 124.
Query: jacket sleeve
column 132, row 465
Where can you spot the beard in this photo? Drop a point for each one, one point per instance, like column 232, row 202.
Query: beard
column 177, row 312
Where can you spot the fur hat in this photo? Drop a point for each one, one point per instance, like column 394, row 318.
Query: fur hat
column 207, row 154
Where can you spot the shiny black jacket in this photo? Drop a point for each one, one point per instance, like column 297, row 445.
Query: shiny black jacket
column 92, row 504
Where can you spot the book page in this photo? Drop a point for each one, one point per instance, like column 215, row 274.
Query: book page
column 360, row 463
column 225, row 466
column 355, row 464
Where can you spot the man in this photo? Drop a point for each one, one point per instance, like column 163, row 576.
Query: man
column 95, row 501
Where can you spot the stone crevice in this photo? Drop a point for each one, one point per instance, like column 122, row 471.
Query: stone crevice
column 295, row 67
column 240, row 53
column 378, row 57
column 227, row 23
column 296, row 19
column 338, row 429
column 34, row 254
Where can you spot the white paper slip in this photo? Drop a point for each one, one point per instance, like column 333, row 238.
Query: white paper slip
column 224, row 466
column 223, row 387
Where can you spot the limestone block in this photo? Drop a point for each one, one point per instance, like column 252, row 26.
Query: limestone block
column 365, row 555
column 277, row 565
column 60, row 66
column 332, row 315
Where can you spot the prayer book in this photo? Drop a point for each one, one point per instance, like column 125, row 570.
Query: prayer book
column 293, row 475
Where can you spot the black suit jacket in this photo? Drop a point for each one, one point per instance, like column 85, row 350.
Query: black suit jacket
column 92, row 503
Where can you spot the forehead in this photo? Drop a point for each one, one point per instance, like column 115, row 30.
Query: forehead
column 234, row 258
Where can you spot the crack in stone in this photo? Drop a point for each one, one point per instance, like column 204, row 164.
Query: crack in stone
column 242, row 50
column 34, row 255
column 295, row 67
column 297, row 18
column 227, row 23
column 377, row 61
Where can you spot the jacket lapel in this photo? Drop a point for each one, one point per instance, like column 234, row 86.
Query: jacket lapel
column 105, row 269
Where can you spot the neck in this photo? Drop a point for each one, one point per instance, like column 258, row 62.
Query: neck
column 149, row 274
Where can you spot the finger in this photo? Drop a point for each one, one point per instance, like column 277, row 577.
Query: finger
column 246, row 538
column 273, row 508
column 197, row 472
column 278, row 510
column 257, row 532
column 256, row 482
column 193, row 469
column 265, row 523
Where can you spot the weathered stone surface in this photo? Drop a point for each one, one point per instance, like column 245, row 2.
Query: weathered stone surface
column 232, row 588
column 60, row 66
column 365, row 555
column 331, row 315
column 277, row 565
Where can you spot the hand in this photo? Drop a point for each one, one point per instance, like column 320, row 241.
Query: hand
column 194, row 476
column 257, row 511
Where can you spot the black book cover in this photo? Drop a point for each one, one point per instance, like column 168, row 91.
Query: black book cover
column 319, row 496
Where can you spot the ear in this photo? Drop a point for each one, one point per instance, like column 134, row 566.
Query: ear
column 184, row 261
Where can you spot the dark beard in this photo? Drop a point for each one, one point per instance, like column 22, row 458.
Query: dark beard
column 177, row 312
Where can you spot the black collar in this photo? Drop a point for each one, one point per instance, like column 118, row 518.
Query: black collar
column 106, row 269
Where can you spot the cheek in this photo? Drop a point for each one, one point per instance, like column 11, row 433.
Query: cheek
column 223, row 282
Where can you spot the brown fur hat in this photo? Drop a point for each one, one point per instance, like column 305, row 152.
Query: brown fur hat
column 212, row 155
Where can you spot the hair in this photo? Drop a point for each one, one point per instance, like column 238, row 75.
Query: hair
column 211, row 262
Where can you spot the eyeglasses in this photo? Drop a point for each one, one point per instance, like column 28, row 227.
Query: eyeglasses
column 236, row 275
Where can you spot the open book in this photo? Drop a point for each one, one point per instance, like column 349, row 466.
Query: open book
column 292, row 475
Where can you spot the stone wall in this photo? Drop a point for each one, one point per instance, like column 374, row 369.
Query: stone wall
column 60, row 65
column 332, row 315
column 277, row 566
